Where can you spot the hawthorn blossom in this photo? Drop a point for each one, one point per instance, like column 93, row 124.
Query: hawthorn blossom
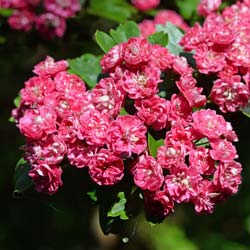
column 94, row 127
column 126, row 135
column 106, row 168
column 21, row 20
column 148, row 173
column 230, row 93
column 63, row 8
column 50, row 25
column 153, row 111
column 36, row 88
column 49, row 67
column 46, row 178
column 38, row 123
column 80, row 154
column 206, row 7
column 50, row 151
column 144, row 5
column 227, row 177
column 181, row 182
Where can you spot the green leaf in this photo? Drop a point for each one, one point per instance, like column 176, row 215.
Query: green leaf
column 118, row 209
column 104, row 41
column 115, row 10
column 125, row 31
column 93, row 195
column 174, row 36
column 6, row 12
column 17, row 101
column 187, row 7
column 123, row 112
column 246, row 110
column 21, row 177
column 203, row 142
column 12, row 119
column 87, row 67
column 160, row 38
column 154, row 144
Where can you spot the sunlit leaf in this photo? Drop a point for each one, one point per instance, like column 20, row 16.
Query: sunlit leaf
column 154, row 144
column 174, row 36
column 87, row 67
column 118, row 209
column 125, row 31
column 160, row 38
column 104, row 41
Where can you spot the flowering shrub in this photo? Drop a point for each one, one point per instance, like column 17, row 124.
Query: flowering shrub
column 140, row 118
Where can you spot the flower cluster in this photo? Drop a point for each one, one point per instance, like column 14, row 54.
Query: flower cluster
column 62, row 120
column 148, row 27
column 47, row 17
column 221, row 47
column 144, row 5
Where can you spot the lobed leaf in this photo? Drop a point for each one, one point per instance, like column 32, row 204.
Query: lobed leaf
column 86, row 67
column 125, row 31
column 160, row 38
column 154, row 144
column 174, row 37
column 104, row 41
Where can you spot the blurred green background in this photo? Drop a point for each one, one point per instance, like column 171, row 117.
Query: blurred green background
column 68, row 221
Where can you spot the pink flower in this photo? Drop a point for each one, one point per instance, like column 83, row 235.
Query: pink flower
column 71, row 86
column 181, row 66
column 36, row 89
column 206, row 7
column 80, row 154
column 205, row 200
column 94, row 127
column 21, row 20
column 179, row 109
column 181, row 182
column 49, row 67
column 50, row 25
column 68, row 128
column 208, row 60
column 209, row 124
column 144, row 5
column 38, row 123
column 141, row 84
column 106, row 97
column 201, row 160
column 148, row 174
column 195, row 98
column 147, row 28
column 153, row 111
column 227, row 177
column 160, row 57
column 230, row 93
column 50, row 151
column 113, row 58
column 46, row 178
column 193, row 37
column 172, row 153
column 223, row 150
column 158, row 205
column 171, row 16
column 106, row 168
column 126, row 135
column 136, row 50
column 63, row 8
